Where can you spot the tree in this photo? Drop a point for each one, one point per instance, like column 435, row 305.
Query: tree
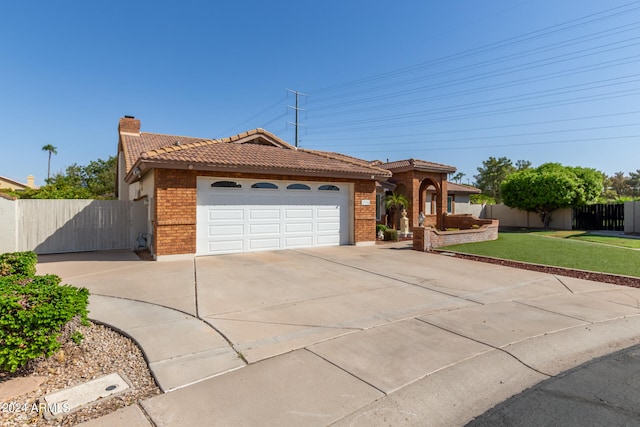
column 394, row 202
column 97, row 180
column 458, row 177
column 491, row 175
column 52, row 150
column 634, row 183
column 620, row 184
column 549, row 187
column 523, row 164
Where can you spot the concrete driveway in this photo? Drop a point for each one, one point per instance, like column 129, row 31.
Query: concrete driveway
column 347, row 335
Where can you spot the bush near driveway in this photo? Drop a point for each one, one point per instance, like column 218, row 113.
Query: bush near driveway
column 34, row 311
column 18, row 263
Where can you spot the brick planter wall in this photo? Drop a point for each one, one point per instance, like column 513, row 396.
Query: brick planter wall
column 426, row 238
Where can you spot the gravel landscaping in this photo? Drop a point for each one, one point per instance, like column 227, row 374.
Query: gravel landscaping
column 103, row 351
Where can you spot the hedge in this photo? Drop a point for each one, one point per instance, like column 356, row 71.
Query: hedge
column 33, row 311
column 18, row 264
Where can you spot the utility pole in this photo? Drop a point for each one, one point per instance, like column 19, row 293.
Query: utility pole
column 297, row 110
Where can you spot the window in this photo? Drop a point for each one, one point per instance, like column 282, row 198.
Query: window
column 298, row 187
column 266, row 185
column 450, row 204
column 226, row 184
column 328, row 187
column 379, row 205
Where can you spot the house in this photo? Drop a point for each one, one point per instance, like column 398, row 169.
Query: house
column 248, row 192
column 10, row 184
column 458, row 199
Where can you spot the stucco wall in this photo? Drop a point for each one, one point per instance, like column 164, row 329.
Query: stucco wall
column 510, row 217
column 8, row 217
column 632, row 217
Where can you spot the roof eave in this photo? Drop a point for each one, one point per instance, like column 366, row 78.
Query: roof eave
column 146, row 165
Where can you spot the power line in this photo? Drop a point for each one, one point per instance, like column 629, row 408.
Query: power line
column 489, row 47
column 514, row 125
column 256, row 115
column 447, row 73
column 477, row 138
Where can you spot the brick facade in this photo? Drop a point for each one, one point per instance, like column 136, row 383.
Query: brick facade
column 174, row 226
column 364, row 221
column 412, row 182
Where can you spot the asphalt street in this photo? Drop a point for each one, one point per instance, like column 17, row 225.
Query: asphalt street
column 602, row 392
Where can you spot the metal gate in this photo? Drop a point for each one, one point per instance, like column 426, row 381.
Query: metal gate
column 599, row 217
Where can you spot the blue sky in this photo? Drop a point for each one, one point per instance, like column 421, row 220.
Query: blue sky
column 450, row 82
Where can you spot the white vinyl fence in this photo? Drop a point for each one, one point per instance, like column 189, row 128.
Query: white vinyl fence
column 58, row 226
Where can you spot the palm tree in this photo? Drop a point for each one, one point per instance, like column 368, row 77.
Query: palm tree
column 394, row 202
column 52, row 150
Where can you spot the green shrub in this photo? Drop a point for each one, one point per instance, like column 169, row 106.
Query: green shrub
column 33, row 311
column 380, row 227
column 391, row 234
column 18, row 263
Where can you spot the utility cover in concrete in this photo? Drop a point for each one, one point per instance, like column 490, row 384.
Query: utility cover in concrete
column 72, row 398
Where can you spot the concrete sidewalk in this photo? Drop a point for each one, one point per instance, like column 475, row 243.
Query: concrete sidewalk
column 346, row 335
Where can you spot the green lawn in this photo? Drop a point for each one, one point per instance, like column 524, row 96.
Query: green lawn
column 588, row 237
column 571, row 252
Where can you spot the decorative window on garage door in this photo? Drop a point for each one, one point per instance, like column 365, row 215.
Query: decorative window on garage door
column 226, row 184
column 298, row 187
column 328, row 187
column 265, row 185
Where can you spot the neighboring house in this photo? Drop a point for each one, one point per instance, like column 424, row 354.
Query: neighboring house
column 458, row 198
column 10, row 184
column 245, row 193
column 414, row 178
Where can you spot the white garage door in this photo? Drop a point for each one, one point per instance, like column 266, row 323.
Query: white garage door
column 239, row 215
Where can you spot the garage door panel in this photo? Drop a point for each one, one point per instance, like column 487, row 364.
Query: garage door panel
column 298, row 227
column 266, row 214
column 328, row 226
column 226, row 230
column 257, row 229
column 218, row 214
column 333, row 212
column 264, row 244
column 297, row 213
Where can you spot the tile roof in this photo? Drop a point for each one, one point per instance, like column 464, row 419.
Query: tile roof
column 135, row 145
column 402, row 165
column 452, row 187
column 253, row 151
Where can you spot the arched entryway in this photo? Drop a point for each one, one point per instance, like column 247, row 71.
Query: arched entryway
column 416, row 176
column 433, row 215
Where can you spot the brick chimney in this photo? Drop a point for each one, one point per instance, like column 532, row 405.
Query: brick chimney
column 31, row 181
column 129, row 124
